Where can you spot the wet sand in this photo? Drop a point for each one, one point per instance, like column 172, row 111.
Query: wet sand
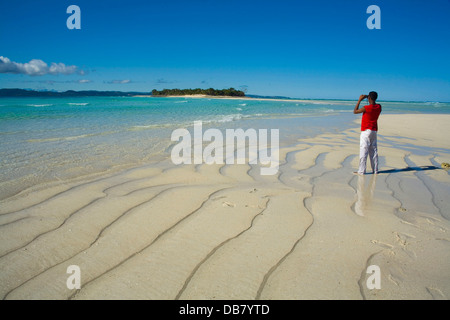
column 225, row 232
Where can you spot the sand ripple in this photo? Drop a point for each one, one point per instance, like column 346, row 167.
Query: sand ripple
column 224, row 232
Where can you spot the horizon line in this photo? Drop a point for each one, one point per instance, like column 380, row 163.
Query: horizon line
column 247, row 95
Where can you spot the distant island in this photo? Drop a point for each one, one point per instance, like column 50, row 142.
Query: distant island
column 231, row 92
column 68, row 93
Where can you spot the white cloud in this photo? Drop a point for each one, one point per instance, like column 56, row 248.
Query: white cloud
column 35, row 67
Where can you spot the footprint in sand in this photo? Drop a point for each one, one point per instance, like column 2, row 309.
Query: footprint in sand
column 435, row 223
column 228, row 204
column 394, row 280
column 403, row 240
column 436, row 294
column 382, row 244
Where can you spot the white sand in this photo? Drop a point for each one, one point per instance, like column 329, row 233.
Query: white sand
column 224, row 232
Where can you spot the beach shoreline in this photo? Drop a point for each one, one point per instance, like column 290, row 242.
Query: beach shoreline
column 161, row 231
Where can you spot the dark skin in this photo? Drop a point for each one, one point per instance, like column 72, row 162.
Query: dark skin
column 361, row 98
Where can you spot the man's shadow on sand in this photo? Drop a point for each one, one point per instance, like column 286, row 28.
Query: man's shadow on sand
column 421, row 168
column 365, row 192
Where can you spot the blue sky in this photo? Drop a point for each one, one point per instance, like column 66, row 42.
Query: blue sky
column 302, row 49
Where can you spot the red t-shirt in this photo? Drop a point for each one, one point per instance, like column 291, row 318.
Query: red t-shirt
column 370, row 117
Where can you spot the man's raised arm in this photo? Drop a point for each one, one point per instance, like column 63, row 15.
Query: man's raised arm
column 357, row 109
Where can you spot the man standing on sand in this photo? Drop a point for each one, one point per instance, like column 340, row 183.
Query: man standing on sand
column 369, row 128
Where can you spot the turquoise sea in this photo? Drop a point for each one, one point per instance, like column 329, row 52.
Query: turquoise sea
column 50, row 139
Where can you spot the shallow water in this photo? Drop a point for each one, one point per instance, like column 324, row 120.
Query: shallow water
column 50, row 139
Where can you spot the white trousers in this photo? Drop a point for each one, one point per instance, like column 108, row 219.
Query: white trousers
column 368, row 147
